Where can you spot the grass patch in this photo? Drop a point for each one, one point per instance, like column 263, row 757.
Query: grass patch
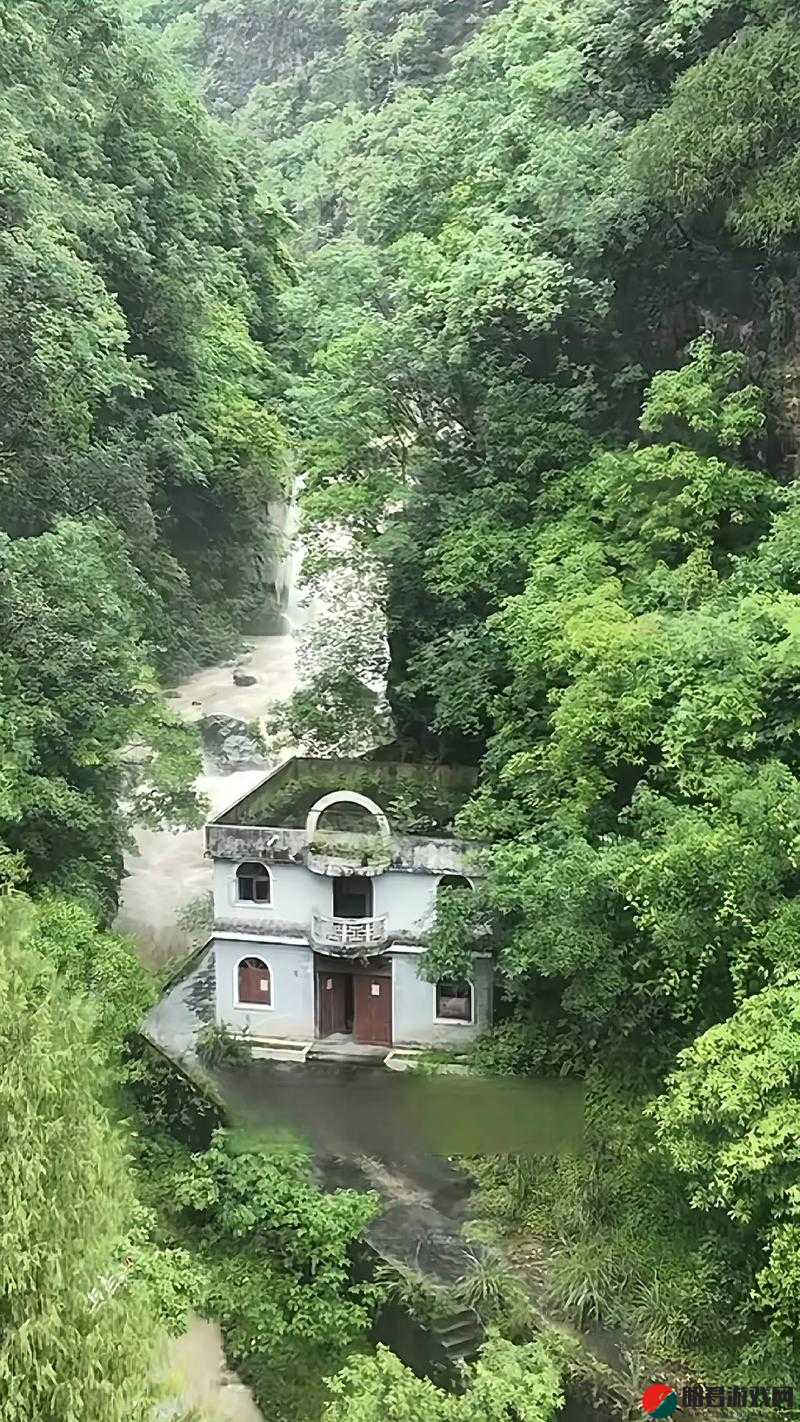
column 619, row 1248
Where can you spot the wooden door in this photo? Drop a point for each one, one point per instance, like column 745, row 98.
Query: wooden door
column 331, row 1003
column 373, row 1014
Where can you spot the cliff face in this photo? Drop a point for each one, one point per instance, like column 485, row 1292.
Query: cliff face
column 262, row 41
column 239, row 44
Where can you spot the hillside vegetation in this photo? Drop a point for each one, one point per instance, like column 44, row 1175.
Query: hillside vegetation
column 544, row 361
column 139, row 276
column 514, row 287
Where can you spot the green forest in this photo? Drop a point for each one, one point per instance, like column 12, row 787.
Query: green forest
column 514, row 289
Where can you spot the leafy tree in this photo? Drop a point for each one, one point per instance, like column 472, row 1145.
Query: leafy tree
column 524, row 1379
column 543, row 373
column 97, row 965
column 729, row 1115
column 729, row 1125
column 341, row 662
column 76, row 691
column 136, row 381
column 276, row 1250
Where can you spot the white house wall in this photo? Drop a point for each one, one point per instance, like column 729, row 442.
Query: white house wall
column 297, row 893
column 408, row 899
column 414, row 1007
column 292, row 1011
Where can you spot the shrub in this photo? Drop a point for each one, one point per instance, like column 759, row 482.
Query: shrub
column 217, row 1046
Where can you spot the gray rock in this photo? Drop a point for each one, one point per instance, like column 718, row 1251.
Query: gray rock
column 241, row 678
column 231, row 744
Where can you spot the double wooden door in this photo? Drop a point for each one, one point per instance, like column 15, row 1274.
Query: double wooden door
column 359, row 1001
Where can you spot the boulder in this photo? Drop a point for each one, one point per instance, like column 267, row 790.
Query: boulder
column 242, row 678
column 231, row 744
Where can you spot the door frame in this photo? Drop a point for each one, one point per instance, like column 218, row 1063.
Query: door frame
column 365, row 886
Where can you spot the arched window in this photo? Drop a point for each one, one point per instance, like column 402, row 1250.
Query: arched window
column 253, row 983
column 453, row 881
column 253, row 884
column 453, row 1002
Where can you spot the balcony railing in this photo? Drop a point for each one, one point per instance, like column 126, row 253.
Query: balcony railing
column 349, row 935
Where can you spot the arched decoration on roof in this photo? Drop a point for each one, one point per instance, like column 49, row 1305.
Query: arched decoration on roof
column 454, row 881
column 347, row 797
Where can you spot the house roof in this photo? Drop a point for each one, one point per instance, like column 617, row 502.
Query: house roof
column 418, row 798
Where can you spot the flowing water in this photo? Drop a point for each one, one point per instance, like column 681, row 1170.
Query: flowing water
column 425, row 1199
column 197, row 1369
column 167, row 872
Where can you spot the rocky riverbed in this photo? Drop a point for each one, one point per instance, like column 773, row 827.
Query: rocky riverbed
column 167, row 871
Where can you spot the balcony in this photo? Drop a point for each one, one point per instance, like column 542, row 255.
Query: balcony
column 349, row 936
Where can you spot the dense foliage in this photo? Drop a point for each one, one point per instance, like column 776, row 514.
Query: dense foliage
column 71, row 1346
column 523, row 1382
column 87, row 746
column 101, row 1261
column 99, row 966
column 277, row 1250
column 539, row 369
column 271, row 1258
column 544, row 380
column 139, row 273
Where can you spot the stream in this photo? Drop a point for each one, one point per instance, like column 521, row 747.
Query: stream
column 168, row 871
column 165, row 874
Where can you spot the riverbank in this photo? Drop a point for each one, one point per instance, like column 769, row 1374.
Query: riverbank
column 167, row 871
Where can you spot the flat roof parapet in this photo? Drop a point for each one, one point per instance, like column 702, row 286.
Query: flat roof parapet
column 414, row 854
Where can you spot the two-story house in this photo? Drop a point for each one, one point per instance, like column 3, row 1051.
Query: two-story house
column 321, row 905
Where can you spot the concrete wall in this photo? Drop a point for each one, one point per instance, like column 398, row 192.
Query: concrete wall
column 414, row 1006
column 412, row 854
column 408, row 899
column 297, row 893
column 292, row 1010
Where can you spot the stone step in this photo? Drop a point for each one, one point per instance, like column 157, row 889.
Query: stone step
column 402, row 1058
column 278, row 1049
column 406, row 1058
column 461, row 1335
column 455, row 1344
column 353, row 1055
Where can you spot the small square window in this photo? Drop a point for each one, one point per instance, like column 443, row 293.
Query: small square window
column 454, row 1002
